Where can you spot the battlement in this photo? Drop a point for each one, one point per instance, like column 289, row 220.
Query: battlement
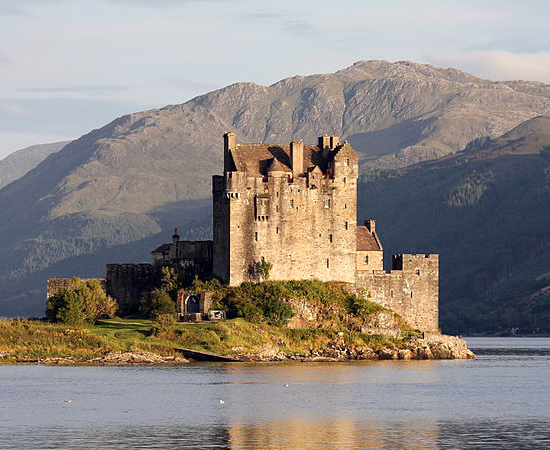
column 410, row 261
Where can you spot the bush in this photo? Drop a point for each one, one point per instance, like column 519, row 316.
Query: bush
column 80, row 302
column 163, row 323
column 157, row 303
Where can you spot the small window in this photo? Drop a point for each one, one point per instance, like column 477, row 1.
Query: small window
column 256, row 236
column 411, row 294
column 276, row 194
column 277, row 230
column 345, row 206
column 346, row 162
column 367, row 259
column 418, row 271
column 391, row 293
column 330, row 238
column 327, row 203
column 277, row 208
column 345, row 225
column 344, row 179
column 292, row 203
column 328, row 263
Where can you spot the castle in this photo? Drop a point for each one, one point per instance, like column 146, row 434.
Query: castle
column 294, row 207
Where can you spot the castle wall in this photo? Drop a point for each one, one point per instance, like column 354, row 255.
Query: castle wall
column 127, row 283
column 304, row 231
column 411, row 289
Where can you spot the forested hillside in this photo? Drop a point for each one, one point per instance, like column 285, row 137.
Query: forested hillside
column 486, row 210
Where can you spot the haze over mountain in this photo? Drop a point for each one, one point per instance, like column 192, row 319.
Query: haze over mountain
column 18, row 163
column 115, row 194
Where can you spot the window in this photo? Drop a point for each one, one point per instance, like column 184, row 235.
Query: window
column 411, row 294
column 417, row 271
column 391, row 293
column 346, row 162
column 256, row 236
column 277, row 230
column 367, row 259
column 345, row 225
column 327, row 203
column 292, row 203
column 328, row 263
column 345, row 206
column 277, row 208
column 344, row 179
column 330, row 238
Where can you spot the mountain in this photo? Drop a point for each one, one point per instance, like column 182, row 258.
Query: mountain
column 118, row 191
column 18, row 163
column 486, row 210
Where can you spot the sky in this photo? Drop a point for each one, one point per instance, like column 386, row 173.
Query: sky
column 69, row 66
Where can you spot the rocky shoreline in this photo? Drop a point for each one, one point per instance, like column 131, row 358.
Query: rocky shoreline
column 431, row 346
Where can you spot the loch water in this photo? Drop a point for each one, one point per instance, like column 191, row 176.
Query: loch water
column 499, row 401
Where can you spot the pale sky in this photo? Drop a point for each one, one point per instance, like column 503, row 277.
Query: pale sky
column 68, row 66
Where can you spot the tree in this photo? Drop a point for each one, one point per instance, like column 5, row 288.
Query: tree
column 79, row 302
column 157, row 303
column 262, row 269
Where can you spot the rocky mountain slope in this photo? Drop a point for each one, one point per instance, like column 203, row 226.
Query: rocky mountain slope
column 486, row 210
column 115, row 193
column 18, row 163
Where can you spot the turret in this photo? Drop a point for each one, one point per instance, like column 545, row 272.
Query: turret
column 229, row 143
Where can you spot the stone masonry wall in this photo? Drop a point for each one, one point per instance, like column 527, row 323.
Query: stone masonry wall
column 305, row 230
column 127, row 283
column 411, row 289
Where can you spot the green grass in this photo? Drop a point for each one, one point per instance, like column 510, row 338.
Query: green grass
column 30, row 340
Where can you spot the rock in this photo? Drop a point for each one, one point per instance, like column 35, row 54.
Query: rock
column 405, row 354
column 387, row 353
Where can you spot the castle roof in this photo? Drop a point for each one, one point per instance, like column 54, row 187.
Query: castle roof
column 366, row 241
column 163, row 248
column 277, row 166
column 255, row 159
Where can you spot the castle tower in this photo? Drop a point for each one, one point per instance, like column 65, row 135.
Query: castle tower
column 292, row 205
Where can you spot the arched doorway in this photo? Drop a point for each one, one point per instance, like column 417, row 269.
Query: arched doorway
column 193, row 304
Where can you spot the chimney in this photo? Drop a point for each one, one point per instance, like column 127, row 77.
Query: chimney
column 324, row 142
column 371, row 225
column 334, row 142
column 297, row 157
column 229, row 144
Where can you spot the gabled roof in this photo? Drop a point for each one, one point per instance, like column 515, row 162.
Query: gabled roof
column 163, row 248
column 366, row 241
column 277, row 166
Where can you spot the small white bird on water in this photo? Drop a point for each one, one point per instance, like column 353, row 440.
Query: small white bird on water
column 222, row 402
column 68, row 400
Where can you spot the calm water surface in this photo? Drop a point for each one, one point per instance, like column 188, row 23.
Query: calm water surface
column 499, row 401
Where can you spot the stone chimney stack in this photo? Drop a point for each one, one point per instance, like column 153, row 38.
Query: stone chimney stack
column 324, row 142
column 174, row 247
column 229, row 143
column 371, row 225
column 297, row 157
column 334, row 142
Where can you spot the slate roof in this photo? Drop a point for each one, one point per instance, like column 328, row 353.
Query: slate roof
column 255, row 159
column 366, row 242
column 163, row 248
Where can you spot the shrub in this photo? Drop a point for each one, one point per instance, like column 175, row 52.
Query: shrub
column 157, row 303
column 163, row 323
column 80, row 302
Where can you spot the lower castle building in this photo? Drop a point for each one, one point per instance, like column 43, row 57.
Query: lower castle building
column 295, row 207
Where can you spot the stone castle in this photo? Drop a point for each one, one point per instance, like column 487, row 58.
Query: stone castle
column 295, row 207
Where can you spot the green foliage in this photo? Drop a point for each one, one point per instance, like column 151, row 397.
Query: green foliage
column 79, row 303
column 157, row 303
column 262, row 269
column 163, row 323
column 363, row 307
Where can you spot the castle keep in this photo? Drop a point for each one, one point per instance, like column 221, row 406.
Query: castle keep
column 294, row 207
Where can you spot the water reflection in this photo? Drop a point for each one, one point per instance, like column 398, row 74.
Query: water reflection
column 495, row 402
